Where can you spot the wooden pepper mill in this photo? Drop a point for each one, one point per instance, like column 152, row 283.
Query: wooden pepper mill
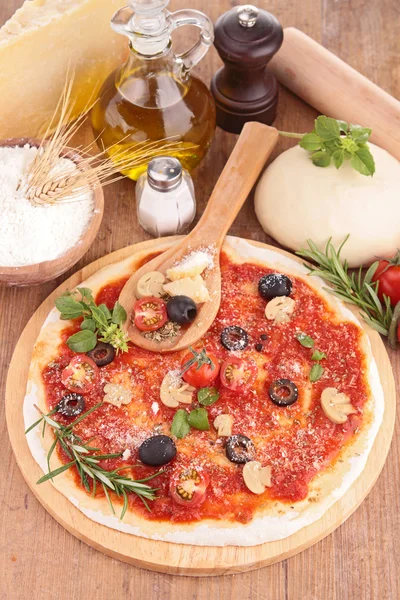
column 246, row 39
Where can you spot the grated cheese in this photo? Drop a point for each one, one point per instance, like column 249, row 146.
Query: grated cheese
column 32, row 234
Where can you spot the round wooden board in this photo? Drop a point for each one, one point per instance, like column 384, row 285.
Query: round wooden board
column 163, row 556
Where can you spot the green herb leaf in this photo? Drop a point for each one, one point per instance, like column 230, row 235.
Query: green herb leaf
column 106, row 311
column 318, row 355
column 99, row 316
column 310, row 141
column 83, row 341
column 180, row 424
column 337, row 141
column 88, row 324
column 119, row 315
column 207, row 396
column 360, row 134
column 198, row 419
column 338, row 158
column 363, row 162
column 305, row 340
column 327, row 128
column 86, row 294
column 68, row 307
column 321, row 158
column 316, row 372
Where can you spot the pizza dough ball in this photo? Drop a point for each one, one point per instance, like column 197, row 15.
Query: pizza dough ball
column 295, row 201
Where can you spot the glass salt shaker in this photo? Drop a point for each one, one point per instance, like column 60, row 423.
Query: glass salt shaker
column 165, row 198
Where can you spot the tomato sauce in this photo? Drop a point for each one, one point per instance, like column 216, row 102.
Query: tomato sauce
column 297, row 441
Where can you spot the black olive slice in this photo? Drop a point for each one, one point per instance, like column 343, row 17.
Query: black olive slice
column 157, row 450
column 274, row 285
column 102, row 354
column 71, row 405
column 181, row 309
column 283, row 392
column 239, row 449
column 234, row 338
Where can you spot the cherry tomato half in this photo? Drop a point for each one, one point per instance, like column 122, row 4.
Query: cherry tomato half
column 188, row 487
column 203, row 371
column 150, row 313
column 237, row 373
column 388, row 275
column 81, row 374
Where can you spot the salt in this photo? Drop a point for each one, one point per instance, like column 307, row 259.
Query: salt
column 32, row 234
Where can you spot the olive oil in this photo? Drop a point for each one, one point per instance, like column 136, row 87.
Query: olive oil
column 134, row 109
column 153, row 98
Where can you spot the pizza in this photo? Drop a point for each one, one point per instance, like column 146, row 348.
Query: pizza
column 246, row 438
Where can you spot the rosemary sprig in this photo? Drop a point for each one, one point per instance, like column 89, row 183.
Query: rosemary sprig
column 86, row 459
column 354, row 288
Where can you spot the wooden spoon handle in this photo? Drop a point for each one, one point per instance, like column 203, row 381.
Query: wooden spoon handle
column 240, row 173
column 336, row 89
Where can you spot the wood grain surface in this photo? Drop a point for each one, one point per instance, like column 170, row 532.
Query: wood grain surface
column 359, row 561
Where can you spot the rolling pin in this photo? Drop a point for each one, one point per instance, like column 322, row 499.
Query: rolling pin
column 337, row 90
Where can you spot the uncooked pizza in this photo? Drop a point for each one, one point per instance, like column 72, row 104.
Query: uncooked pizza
column 244, row 438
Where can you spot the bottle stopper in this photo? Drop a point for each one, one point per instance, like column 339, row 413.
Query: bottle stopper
column 246, row 39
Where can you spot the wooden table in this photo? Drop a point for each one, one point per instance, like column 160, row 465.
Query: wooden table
column 360, row 560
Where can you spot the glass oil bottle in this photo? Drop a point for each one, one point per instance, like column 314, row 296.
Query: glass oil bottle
column 153, row 105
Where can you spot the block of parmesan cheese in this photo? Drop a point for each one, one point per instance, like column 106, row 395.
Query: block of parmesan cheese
column 193, row 287
column 39, row 44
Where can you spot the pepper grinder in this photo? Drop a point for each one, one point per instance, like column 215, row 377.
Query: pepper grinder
column 246, row 39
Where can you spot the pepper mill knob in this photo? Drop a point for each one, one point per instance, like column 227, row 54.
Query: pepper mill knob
column 246, row 39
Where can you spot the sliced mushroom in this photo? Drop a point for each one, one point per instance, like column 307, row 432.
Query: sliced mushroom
column 223, row 424
column 336, row 405
column 174, row 391
column 117, row 394
column 151, row 284
column 256, row 477
column 280, row 309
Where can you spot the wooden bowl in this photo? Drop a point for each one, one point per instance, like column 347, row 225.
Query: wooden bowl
column 50, row 269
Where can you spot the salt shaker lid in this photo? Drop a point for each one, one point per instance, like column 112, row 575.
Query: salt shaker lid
column 164, row 173
column 247, row 34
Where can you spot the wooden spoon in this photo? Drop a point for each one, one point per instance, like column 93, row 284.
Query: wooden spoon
column 252, row 149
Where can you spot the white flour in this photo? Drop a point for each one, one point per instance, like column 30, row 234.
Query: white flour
column 32, row 234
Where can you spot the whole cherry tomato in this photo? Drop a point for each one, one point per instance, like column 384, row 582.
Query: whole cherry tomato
column 388, row 275
column 200, row 368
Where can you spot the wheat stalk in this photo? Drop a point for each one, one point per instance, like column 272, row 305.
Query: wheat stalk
column 49, row 181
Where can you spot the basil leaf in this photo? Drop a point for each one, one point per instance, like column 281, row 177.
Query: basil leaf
column 338, row 158
column 104, row 309
column 99, row 317
column 305, row 340
column 88, row 324
column 343, row 126
column 318, row 355
column 207, row 396
column 86, row 293
column 327, row 128
column 363, row 161
column 360, row 134
column 321, row 159
column 119, row 314
column 310, row 141
column 198, row 419
column 180, row 424
column 316, row 372
column 68, row 307
column 83, row 341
